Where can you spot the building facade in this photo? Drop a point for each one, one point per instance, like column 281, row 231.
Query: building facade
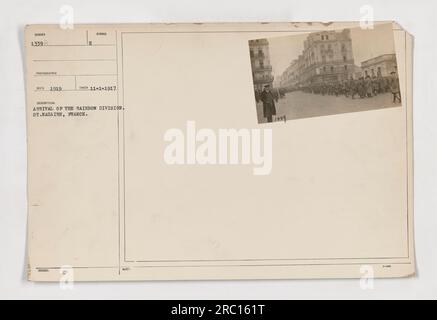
column 260, row 60
column 380, row 66
column 290, row 77
column 327, row 57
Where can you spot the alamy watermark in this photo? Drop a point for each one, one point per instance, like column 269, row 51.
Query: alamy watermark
column 66, row 21
column 367, row 17
column 220, row 147
column 367, row 277
column 66, row 280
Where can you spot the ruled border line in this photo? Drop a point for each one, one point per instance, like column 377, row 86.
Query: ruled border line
column 239, row 260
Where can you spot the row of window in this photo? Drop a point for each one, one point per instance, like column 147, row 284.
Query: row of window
column 322, row 47
column 324, row 69
column 260, row 53
column 312, row 60
column 378, row 72
column 332, row 57
column 345, row 67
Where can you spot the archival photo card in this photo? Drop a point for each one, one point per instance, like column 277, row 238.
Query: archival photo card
column 324, row 73
column 146, row 160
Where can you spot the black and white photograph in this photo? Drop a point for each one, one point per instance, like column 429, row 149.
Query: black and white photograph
column 324, row 73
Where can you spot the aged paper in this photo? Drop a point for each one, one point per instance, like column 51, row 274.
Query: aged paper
column 219, row 151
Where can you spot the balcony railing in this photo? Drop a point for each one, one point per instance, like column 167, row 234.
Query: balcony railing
column 263, row 68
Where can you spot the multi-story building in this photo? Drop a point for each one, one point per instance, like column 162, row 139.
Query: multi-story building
column 327, row 57
column 381, row 66
column 290, row 77
column 260, row 60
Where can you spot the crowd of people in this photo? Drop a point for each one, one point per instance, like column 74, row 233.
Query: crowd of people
column 364, row 87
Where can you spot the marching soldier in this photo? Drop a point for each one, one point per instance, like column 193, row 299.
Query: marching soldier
column 346, row 88
column 394, row 87
column 362, row 88
column 375, row 86
column 368, row 85
column 380, row 84
column 386, row 85
column 353, row 87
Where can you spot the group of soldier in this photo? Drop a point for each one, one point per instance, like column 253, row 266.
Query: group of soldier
column 364, row 87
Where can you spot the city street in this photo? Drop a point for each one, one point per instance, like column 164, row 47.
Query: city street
column 298, row 104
